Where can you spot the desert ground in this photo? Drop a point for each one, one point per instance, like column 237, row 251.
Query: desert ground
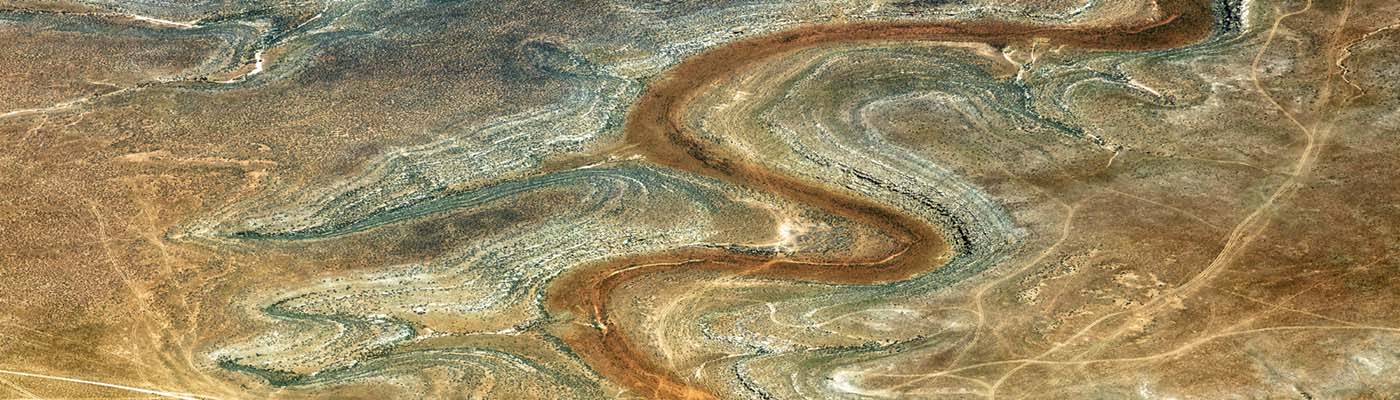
column 698, row 199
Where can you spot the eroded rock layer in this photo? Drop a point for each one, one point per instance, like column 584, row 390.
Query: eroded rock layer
column 748, row 199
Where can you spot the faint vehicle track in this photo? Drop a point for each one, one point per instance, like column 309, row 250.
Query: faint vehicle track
column 655, row 130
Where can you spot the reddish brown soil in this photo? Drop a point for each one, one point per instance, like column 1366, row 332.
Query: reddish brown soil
column 655, row 130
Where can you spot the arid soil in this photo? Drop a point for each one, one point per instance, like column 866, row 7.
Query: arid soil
column 746, row 199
